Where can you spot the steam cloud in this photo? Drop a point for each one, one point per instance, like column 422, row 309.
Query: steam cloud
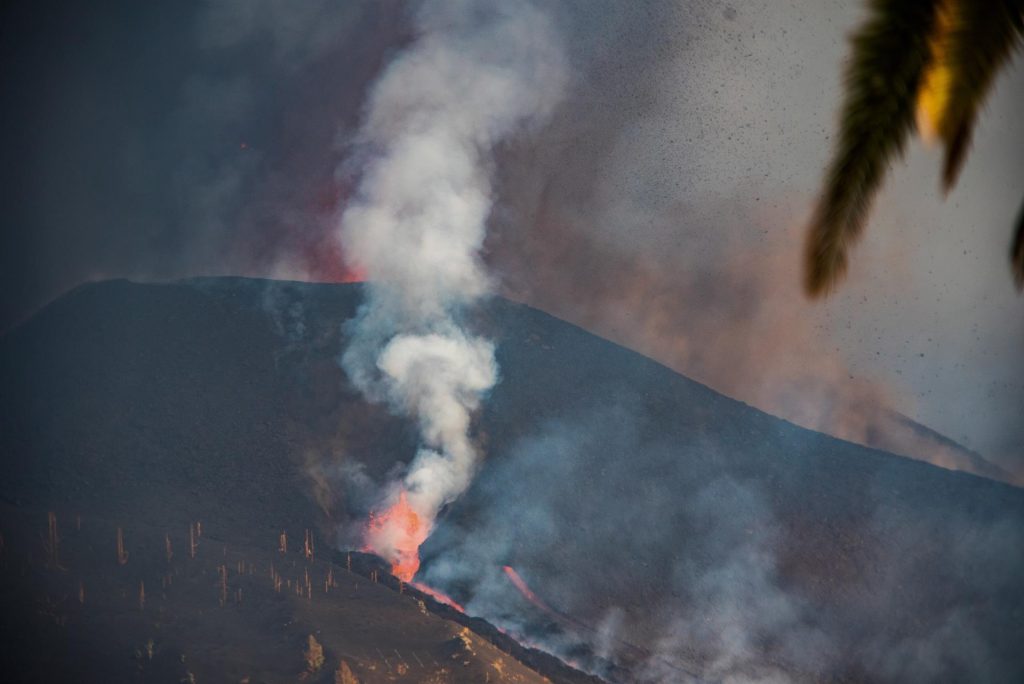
column 478, row 72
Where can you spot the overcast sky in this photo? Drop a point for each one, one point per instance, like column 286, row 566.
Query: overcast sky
column 663, row 206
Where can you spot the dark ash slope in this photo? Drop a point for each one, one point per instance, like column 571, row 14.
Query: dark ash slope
column 670, row 527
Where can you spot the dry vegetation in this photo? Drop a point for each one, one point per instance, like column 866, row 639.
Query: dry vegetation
column 195, row 627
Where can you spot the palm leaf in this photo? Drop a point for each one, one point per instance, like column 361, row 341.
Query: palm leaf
column 935, row 88
column 1017, row 252
column 974, row 39
column 890, row 53
column 957, row 145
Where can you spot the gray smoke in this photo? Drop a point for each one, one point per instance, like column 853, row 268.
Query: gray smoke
column 479, row 72
column 691, row 128
column 681, row 570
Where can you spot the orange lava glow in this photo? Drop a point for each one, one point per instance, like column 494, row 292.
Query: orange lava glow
column 353, row 274
column 438, row 596
column 520, row 584
column 395, row 535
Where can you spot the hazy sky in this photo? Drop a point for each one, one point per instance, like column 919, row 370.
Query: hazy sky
column 160, row 140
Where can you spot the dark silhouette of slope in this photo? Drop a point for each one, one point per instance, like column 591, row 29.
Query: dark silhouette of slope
column 632, row 499
column 899, row 434
column 148, row 408
column 220, row 612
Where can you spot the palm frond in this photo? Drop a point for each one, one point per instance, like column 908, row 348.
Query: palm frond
column 935, row 88
column 890, row 53
column 1017, row 252
column 957, row 145
column 973, row 41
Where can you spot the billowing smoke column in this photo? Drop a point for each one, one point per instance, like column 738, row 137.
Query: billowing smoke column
column 478, row 72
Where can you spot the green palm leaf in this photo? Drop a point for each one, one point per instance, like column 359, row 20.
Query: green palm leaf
column 890, row 53
column 978, row 39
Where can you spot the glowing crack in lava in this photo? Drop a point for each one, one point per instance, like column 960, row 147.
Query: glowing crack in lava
column 395, row 535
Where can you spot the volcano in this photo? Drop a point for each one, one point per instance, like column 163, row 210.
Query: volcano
column 667, row 532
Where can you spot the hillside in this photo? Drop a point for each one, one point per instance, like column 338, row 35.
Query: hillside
column 665, row 529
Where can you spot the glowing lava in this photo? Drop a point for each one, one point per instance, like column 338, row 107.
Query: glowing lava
column 520, row 584
column 438, row 596
column 395, row 535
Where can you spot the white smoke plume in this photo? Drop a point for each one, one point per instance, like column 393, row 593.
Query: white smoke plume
column 478, row 72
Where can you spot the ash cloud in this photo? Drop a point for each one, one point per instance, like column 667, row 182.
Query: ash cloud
column 163, row 142
column 674, row 224
column 682, row 122
column 477, row 73
column 664, row 566
column 737, row 325
column 671, row 580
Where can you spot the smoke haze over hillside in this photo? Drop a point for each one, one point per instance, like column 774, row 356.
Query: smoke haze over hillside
column 661, row 206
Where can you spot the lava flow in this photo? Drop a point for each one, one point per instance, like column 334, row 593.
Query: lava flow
column 395, row 535
column 438, row 596
column 520, row 584
column 558, row 616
